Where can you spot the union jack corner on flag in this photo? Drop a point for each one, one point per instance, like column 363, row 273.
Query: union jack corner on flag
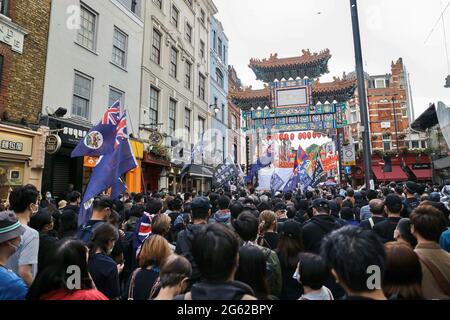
column 102, row 138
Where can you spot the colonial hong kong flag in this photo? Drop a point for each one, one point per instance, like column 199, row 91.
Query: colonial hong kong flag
column 101, row 138
column 110, row 168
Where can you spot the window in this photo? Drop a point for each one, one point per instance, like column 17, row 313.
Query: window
column 235, row 153
column 201, row 86
column 220, row 48
column 119, row 56
column 188, row 32
column 175, row 16
column 158, row 3
column 386, row 145
column 154, row 103
column 81, row 96
column 189, row 2
column 214, row 39
column 414, row 144
column 224, row 54
column 172, row 116
column 201, row 127
column 156, row 47
column 353, row 117
column 404, row 112
column 202, row 16
column 223, row 112
column 4, row 7
column 115, row 95
column 223, row 149
column 187, row 124
column 219, row 78
column 188, row 75
column 423, row 144
column 380, row 83
column 202, row 49
column 234, row 122
column 86, row 33
column 173, row 62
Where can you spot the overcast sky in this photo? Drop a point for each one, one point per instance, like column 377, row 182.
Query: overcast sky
column 389, row 29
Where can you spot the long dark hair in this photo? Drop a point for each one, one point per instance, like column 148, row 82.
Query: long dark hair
column 101, row 237
column 289, row 247
column 252, row 270
column 54, row 276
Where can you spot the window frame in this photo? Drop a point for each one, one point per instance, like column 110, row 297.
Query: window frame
column 188, row 35
column 4, row 10
column 85, row 7
column 188, row 75
column 124, row 51
column 155, row 49
column 172, row 120
column 220, row 78
column 187, row 116
column 173, row 65
column 202, row 86
column 121, row 92
column 158, row 3
column 175, row 22
column 79, row 96
column 152, row 110
column 202, row 49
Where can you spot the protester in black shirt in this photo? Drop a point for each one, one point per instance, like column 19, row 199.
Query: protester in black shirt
column 74, row 199
column 103, row 269
column 290, row 245
column 280, row 210
column 376, row 207
column 215, row 250
column 411, row 202
column 352, row 252
column 42, row 222
column 252, row 271
column 320, row 225
column 385, row 229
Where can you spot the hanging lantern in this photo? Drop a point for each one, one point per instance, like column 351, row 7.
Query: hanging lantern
column 275, row 137
column 309, row 135
column 292, row 136
column 304, row 135
column 299, row 136
column 314, row 135
column 319, row 135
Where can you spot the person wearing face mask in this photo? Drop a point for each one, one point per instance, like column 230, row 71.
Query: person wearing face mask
column 24, row 262
column 174, row 277
column 312, row 272
column 103, row 269
column 12, row 287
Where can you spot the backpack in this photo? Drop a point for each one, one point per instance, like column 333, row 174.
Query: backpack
column 273, row 267
column 86, row 231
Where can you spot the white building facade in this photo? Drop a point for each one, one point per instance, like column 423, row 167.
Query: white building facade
column 175, row 90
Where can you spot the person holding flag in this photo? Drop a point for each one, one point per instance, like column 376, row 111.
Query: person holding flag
column 112, row 165
column 300, row 158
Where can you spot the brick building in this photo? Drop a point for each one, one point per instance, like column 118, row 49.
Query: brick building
column 23, row 49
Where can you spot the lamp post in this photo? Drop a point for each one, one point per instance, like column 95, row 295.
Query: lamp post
column 362, row 94
column 394, row 100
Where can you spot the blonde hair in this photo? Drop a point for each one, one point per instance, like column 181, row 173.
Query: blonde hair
column 154, row 250
column 266, row 219
column 161, row 224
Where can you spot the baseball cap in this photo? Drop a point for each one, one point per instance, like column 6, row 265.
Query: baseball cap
column 280, row 206
column 292, row 228
column 200, row 202
column 321, row 203
column 10, row 227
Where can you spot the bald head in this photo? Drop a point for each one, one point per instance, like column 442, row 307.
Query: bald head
column 377, row 207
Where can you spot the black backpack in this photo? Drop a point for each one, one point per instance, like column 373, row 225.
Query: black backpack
column 86, row 231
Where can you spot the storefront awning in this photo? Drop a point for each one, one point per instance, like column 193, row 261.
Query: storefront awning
column 423, row 174
column 200, row 171
column 397, row 174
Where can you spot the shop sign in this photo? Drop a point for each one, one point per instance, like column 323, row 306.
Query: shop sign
column 421, row 166
column 53, row 144
column 72, row 135
column 15, row 144
column 12, row 35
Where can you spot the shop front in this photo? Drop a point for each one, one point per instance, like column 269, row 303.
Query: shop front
column 21, row 157
column 154, row 172
column 62, row 173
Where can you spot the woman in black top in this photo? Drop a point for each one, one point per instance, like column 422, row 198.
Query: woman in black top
column 103, row 269
column 144, row 281
column 268, row 236
column 289, row 247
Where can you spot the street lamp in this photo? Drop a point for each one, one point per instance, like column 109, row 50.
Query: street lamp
column 216, row 108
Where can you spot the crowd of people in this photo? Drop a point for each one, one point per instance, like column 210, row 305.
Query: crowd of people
column 325, row 244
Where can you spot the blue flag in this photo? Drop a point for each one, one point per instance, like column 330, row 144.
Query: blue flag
column 276, row 182
column 110, row 169
column 293, row 182
column 100, row 139
column 262, row 162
